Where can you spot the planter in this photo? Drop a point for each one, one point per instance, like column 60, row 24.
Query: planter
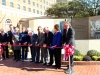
column 82, row 62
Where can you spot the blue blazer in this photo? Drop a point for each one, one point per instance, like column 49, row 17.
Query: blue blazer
column 34, row 39
column 23, row 37
column 57, row 39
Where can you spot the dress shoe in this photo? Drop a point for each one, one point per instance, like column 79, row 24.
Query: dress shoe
column 45, row 64
column 57, row 68
column 71, row 65
column 17, row 60
column 31, row 61
column 36, row 62
column 54, row 65
column 22, row 60
column 14, row 59
column 49, row 65
column 41, row 61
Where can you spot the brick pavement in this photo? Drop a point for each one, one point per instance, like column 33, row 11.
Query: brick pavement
column 10, row 67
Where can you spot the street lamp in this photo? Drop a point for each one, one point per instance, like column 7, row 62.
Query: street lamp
column 71, row 20
column 69, row 70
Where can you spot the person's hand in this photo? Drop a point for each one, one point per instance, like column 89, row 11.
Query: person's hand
column 38, row 44
column 64, row 44
column 30, row 45
column 44, row 45
column 25, row 43
column 54, row 46
column 4, row 43
column 9, row 44
column 19, row 43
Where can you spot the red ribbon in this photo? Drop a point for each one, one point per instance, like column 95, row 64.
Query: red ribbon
column 27, row 45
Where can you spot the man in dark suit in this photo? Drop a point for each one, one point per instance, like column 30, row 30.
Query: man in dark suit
column 3, row 41
column 34, row 51
column 10, row 36
column 24, row 41
column 47, row 42
column 68, row 38
column 41, row 39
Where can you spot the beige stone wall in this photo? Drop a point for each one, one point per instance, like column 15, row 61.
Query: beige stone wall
column 81, row 27
column 33, row 24
column 94, row 44
column 85, row 45
column 82, row 46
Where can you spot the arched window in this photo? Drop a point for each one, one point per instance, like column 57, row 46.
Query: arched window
column 8, row 21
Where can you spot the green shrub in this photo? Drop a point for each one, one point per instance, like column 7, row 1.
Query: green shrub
column 98, row 58
column 87, row 58
column 95, row 58
column 92, row 53
column 77, row 53
column 78, row 58
column 83, row 55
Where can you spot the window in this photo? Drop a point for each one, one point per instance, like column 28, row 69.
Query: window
column 29, row 9
column 44, row 7
column 18, row 6
column 41, row 6
column 24, row 1
column 3, row 2
column 8, row 21
column 37, row 5
column 44, row 13
column 41, row 12
column 46, row 3
column 33, row 10
column 40, row 0
column 33, row 3
column 37, row 11
column 28, row 1
column 24, row 8
column 11, row 4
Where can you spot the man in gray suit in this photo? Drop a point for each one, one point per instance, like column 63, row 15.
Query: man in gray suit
column 41, row 39
column 32, row 42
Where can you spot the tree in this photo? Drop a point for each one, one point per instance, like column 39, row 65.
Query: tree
column 93, row 5
column 78, row 9
column 75, row 8
column 57, row 10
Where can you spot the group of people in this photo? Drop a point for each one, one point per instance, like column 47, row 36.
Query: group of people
column 41, row 44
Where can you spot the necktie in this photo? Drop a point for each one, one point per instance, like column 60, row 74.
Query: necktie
column 39, row 35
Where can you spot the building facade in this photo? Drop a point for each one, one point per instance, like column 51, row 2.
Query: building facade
column 12, row 11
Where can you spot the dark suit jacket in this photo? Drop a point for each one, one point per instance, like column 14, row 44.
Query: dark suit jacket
column 33, row 39
column 57, row 39
column 48, row 38
column 10, row 35
column 68, row 36
column 23, row 37
column 41, row 39
column 4, row 38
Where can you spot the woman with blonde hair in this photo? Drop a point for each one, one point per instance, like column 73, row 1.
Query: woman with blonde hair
column 16, row 43
column 56, row 44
